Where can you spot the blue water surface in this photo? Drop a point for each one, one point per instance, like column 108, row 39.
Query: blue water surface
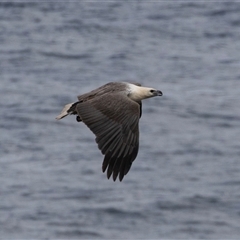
column 185, row 182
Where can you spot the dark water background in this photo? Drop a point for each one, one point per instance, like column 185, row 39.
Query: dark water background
column 185, row 182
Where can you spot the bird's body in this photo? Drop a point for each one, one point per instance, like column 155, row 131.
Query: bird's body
column 112, row 113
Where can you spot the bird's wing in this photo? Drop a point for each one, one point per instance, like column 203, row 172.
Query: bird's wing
column 113, row 118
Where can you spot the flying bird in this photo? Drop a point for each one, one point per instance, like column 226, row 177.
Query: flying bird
column 112, row 113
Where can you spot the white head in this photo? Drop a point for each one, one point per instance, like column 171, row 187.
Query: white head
column 137, row 93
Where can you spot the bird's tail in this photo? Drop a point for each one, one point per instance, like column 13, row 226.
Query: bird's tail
column 67, row 110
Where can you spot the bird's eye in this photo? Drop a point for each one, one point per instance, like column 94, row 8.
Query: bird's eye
column 151, row 91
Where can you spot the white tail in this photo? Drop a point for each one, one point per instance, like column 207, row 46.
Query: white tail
column 65, row 111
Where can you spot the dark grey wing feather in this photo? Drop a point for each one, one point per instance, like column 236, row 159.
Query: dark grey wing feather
column 113, row 118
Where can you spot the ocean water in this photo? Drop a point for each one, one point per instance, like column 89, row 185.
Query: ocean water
column 185, row 182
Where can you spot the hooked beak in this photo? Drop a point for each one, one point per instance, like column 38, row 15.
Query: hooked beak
column 158, row 93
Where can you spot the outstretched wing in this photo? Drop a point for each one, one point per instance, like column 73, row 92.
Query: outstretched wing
column 113, row 118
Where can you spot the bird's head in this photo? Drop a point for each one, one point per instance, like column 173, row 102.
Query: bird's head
column 154, row 93
column 139, row 93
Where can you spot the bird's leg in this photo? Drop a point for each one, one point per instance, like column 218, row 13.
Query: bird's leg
column 78, row 119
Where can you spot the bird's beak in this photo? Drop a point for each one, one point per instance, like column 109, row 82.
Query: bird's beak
column 158, row 93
